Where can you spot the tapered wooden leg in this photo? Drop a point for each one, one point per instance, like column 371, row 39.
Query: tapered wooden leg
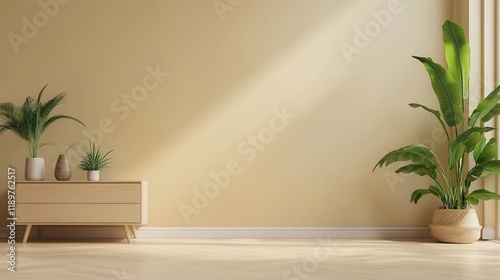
column 27, row 233
column 134, row 231
column 127, row 233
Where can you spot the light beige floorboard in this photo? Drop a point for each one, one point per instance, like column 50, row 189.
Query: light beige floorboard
column 254, row 259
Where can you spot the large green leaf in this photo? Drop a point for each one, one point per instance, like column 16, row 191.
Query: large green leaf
column 466, row 142
column 416, row 153
column 479, row 149
column 465, row 136
column 484, row 107
column 447, row 90
column 482, row 170
column 487, row 153
column 457, row 52
column 492, row 113
column 481, row 194
column 437, row 192
column 456, row 152
column 417, row 194
column 419, row 169
column 493, row 166
column 472, row 200
column 432, row 111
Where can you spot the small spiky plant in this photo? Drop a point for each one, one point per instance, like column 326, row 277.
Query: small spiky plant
column 94, row 159
column 31, row 119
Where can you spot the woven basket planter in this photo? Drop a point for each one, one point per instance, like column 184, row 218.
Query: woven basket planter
column 455, row 226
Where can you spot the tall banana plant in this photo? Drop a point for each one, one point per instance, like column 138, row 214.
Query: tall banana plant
column 466, row 134
column 30, row 120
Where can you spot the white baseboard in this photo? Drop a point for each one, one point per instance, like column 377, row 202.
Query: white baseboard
column 117, row 232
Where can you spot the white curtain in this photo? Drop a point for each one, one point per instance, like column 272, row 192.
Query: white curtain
column 481, row 18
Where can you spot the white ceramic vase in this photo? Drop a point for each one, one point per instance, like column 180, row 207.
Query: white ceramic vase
column 34, row 169
column 93, row 175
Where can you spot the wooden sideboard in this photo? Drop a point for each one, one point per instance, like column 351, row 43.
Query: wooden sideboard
column 82, row 203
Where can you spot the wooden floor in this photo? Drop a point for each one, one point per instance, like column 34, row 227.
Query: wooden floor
column 253, row 259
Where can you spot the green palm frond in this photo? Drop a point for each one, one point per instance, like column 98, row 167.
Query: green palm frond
column 31, row 119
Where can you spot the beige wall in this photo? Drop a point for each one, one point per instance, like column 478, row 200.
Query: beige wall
column 232, row 75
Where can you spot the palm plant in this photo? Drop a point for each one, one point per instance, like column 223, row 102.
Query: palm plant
column 466, row 135
column 30, row 121
column 94, row 159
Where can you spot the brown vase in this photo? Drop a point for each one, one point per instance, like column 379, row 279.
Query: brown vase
column 63, row 171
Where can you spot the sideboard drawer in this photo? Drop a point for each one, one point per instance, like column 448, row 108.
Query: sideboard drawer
column 79, row 193
column 79, row 213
